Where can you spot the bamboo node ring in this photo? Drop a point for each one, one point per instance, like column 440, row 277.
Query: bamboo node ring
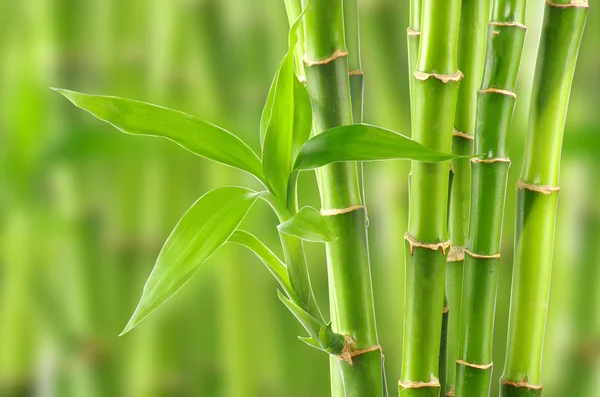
column 451, row 393
column 409, row 384
column 544, row 189
column 522, row 383
column 476, row 366
column 492, row 160
column 444, row 78
column 412, row 32
column 434, row 247
column 350, row 351
column 570, row 5
column 335, row 55
column 509, row 24
column 355, row 72
column 340, row 211
column 480, row 256
column 456, row 254
column 461, row 134
column 497, row 91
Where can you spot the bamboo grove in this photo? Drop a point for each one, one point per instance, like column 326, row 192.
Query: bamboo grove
column 464, row 58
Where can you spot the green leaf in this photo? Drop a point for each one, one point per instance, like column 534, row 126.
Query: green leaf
column 362, row 142
column 194, row 134
column 308, row 224
column 268, row 258
column 202, row 230
column 286, row 121
column 311, row 324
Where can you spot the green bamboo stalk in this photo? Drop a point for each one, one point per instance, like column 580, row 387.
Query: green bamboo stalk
column 537, row 196
column 413, row 34
column 434, row 89
column 471, row 45
column 495, row 105
column 353, row 313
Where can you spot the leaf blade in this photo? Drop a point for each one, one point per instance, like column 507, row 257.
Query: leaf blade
column 202, row 230
column 308, row 224
column 362, row 142
column 192, row 133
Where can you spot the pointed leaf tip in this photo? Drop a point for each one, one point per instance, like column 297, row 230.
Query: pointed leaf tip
column 202, row 230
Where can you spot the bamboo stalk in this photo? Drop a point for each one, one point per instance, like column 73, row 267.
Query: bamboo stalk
column 471, row 45
column 537, row 196
column 353, row 313
column 434, row 88
column 495, row 105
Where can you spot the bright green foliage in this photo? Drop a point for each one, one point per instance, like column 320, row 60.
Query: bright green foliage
column 194, row 134
column 289, row 122
column 362, row 142
column 308, row 224
column 204, row 228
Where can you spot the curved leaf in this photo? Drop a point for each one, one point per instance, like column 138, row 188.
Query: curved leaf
column 267, row 257
column 308, row 224
column 202, row 230
column 362, row 142
column 286, row 121
column 194, row 134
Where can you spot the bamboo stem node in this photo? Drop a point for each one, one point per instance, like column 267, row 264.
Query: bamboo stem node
column 492, row 90
column 409, row 384
column 446, row 310
column 412, row 32
column 335, row 55
column 464, row 135
column 451, row 393
column 544, row 189
column 480, row 256
column 520, row 384
column 355, row 72
column 418, row 244
column 444, row 78
column 509, row 24
column 570, row 5
column 340, row 211
column 476, row 366
column 492, row 160
column 350, row 351
column 456, row 254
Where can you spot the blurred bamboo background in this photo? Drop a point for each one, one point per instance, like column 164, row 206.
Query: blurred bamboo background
column 84, row 210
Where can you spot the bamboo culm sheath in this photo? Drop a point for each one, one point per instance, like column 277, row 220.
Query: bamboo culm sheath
column 537, row 196
column 351, row 296
column 471, row 45
column 495, row 106
column 434, row 89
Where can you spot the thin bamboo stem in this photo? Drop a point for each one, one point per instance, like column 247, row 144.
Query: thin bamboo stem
column 353, row 313
column 537, row 196
column 471, row 45
column 495, row 105
column 434, row 88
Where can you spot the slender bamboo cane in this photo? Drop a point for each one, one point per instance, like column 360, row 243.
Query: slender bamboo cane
column 434, row 94
column 495, row 106
column 471, row 45
column 353, row 313
column 413, row 34
column 537, row 196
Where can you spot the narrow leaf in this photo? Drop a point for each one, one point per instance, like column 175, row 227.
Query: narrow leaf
column 289, row 122
column 311, row 324
column 202, row 230
column 194, row 134
column 362, row 142
column 268, row 258
column 308, row 224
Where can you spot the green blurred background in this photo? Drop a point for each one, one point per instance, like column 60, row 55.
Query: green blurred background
column 84, row 209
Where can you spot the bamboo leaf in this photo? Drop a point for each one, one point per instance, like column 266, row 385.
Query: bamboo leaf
column 289, row 122
column 268, row 258
column 194, row 134
column 202, row 230
column 362, row 142
column 308, row 224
